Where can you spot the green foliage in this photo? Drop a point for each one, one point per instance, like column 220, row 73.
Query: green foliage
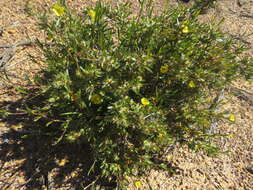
column 131, row 85
column 203, row 5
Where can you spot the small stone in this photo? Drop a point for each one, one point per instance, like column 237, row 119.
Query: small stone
column 1, row 31
column 250, row 169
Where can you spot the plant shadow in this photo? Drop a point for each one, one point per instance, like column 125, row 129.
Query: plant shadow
column 29, row 159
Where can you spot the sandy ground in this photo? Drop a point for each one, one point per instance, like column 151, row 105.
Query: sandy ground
column 26, row 164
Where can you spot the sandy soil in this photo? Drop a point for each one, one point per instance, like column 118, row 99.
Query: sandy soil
column 32, row 163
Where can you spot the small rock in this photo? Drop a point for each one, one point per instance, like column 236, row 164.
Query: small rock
column 250, row 169
column 6, row 140
column 185, row 1
column 1, row 31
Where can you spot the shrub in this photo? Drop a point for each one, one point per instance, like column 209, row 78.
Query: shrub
column 130, row 85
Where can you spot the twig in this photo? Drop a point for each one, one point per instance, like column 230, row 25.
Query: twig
column 21, row 43
column 246, row 16
column 214, row 106
column 61, row 137
column 168, row 150
column 37, row 170
column 240, row 38
column 91, row 183
column 148, row 182
column 16, row 64
column 8, row 54
column 243, row 94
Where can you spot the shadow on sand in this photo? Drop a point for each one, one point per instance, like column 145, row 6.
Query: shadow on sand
column 27, row 152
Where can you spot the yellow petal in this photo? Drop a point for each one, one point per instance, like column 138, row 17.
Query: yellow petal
column 74, row 174
column 62, row 162
column 191, row 84
column 185, row 30
column 169, row 157
column 186, row 22
column 145, row 101
column 58, row 10
column 138, row 184
column 96, row 99
column 232, row 118
column 164, row 69
column 16, row 127
column 92, row 14
column 162, row 134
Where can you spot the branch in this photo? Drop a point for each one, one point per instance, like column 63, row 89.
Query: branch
column 21, row 43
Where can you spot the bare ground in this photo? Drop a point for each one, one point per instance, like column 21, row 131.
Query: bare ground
column 31, row 163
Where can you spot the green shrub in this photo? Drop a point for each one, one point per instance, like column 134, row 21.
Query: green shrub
column 130, row 85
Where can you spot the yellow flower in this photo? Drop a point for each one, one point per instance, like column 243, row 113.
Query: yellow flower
column 16, row 127
column 185, row 30
column 62, row 162
column 145, row 101
column 58, row 10
column 186, row 22
column 232, row 118
column 191, row 84
column 138, row 184
column 73, row 136
column 169, row 157
column 162, row 134
column 74, row 174
column 164, row 69
column 92, row 14
column 188, row 62
column 96, row 99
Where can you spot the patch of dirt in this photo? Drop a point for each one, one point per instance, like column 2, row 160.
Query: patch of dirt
column 31, row 163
